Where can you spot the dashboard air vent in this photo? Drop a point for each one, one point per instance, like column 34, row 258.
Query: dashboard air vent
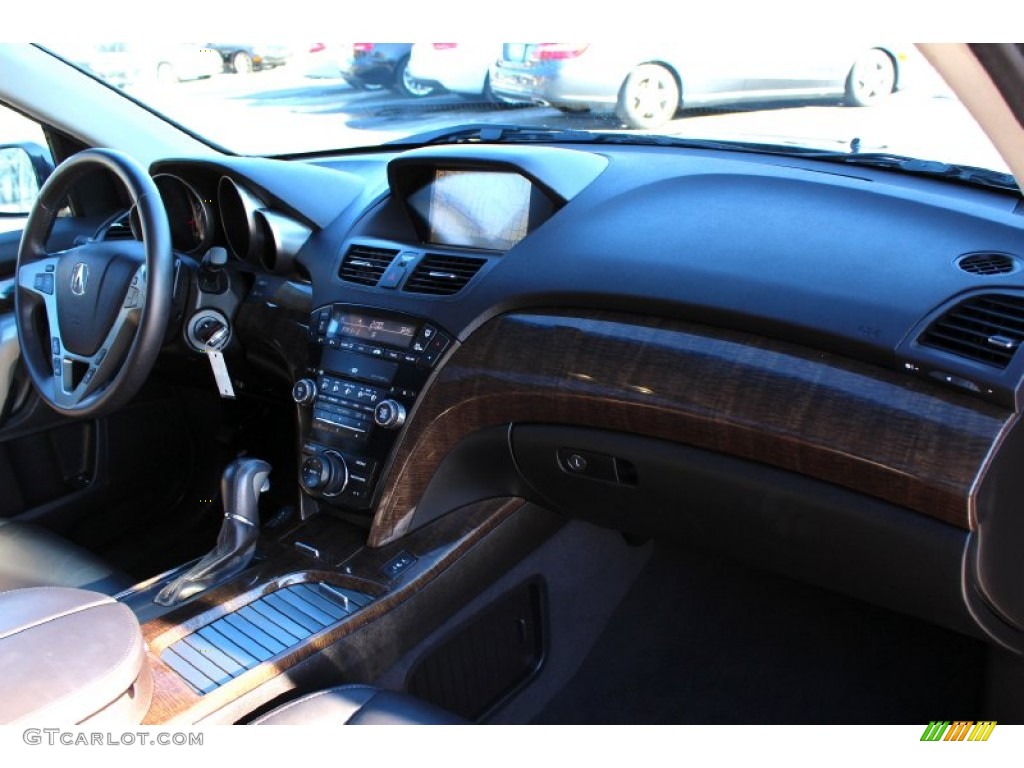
column 119, row 229
column 443, row 275
column 987, row 328
column 987, row 264
column 365, row 264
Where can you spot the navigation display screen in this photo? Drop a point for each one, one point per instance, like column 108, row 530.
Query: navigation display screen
column 478, row 209
column 390, row 332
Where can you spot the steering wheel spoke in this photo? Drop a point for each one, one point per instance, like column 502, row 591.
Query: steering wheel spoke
column 39, row 277
column 78, row 376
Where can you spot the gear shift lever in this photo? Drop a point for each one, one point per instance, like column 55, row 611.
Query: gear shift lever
column 240, row 487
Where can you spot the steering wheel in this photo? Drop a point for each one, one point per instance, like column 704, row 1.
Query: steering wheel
column 91, row 319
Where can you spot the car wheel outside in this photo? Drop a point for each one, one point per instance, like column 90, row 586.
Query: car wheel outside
column 872, row 78
column 486, row 96
column 165, row 73
column 241, row 63
column 649, row 97
column 407, row 86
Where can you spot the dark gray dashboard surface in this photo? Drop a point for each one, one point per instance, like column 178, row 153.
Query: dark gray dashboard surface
column 848, row 261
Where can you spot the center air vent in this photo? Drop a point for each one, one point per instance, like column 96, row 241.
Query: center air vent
column 987, row 264
column 986, row 328
column 443, row 275
column 365, row 264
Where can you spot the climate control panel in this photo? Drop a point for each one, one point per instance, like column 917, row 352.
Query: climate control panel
column 367, row 368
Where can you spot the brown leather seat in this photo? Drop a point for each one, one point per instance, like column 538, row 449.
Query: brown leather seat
column 33, row 556
column 358, row 705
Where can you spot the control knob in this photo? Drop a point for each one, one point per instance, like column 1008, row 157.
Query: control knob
column 389, row 414
column 324, row 473
column 304, row 391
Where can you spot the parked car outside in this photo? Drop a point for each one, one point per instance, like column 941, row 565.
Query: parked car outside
column 125, row 64
column 382, row 65
column 243, row 58
column 320, row 60
column 462, row 68
column 646, row 85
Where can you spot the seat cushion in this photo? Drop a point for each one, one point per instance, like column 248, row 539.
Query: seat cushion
column 32, row 556
column 71, row 656
column 358, row 705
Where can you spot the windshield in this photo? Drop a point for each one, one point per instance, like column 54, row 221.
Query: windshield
column 310, row 97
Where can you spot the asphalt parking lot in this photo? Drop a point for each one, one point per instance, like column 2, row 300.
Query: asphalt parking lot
column 284, row 111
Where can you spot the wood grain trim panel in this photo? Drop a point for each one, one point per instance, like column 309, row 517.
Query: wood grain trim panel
column 437, row 547
column 856, row 425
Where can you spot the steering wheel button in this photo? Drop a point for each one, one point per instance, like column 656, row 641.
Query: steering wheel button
column 88, row 376
column 56, row 366
column 100, row 356
column 44, row 283
column 55, row 346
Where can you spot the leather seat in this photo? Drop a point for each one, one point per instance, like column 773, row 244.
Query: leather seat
column 358, row 705
column 32, row 556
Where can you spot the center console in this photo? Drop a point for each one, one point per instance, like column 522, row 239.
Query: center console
column 367, row 368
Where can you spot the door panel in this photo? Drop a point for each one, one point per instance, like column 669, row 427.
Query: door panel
column 8, row 355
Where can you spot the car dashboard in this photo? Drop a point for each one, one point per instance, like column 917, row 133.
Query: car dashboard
column 809, row 367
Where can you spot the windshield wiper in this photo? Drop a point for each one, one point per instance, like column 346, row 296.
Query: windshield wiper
column 498, row 133
column 968, row 174
column 494, row 133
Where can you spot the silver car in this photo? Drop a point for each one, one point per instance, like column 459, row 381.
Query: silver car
column 646, row 86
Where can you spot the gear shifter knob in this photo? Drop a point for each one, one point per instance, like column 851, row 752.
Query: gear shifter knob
column 241, row 485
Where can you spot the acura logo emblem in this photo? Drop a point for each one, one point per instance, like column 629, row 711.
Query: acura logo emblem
column 79, row 278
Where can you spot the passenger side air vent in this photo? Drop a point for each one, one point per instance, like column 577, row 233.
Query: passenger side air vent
column 988, row 329
column 988, row 264
column 365, row 264
column 443, row 275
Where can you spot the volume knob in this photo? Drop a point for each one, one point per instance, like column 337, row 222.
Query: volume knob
column 389, row 414
column 325, row 473
column 304, row 391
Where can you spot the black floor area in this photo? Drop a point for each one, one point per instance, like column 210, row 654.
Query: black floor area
column 173, row 450
column 701, row 641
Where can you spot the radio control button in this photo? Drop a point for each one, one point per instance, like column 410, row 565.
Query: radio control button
column 304, row 391
column 389, row 414
column 438, row 343
column 325, row 473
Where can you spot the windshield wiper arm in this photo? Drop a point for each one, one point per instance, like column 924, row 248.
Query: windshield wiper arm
column 494, row 133
column 969, row 174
